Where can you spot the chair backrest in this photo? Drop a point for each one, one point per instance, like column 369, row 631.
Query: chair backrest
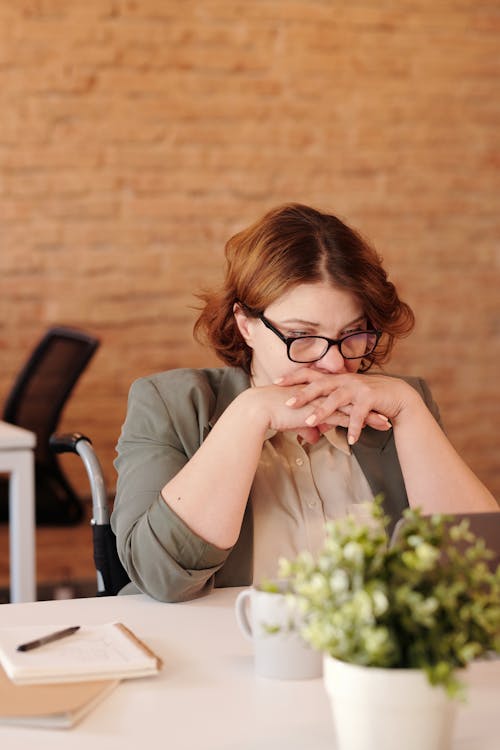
column 45, row 382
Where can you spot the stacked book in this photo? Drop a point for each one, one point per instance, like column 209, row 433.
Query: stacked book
column 52, row 676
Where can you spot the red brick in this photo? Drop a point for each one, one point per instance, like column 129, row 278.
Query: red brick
column 137, row 136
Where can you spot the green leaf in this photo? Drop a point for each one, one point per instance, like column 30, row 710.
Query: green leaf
column 421, row 603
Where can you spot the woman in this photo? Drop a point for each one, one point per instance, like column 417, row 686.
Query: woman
column 222, row 471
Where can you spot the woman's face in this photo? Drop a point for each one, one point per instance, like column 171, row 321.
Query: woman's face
column 315, row 309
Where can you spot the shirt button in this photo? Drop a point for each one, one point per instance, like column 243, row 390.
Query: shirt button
column 299, row 461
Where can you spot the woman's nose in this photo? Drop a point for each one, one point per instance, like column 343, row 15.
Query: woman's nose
column 332, row 361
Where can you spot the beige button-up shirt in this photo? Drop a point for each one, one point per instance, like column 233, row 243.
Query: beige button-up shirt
column 297, row 487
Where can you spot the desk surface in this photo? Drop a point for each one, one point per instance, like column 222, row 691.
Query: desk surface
column 207, row 695
column 13, row 437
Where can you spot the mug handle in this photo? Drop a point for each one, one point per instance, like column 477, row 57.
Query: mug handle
column 241, row 610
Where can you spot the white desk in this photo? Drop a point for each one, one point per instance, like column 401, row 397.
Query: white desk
column 207, row 695
column 17, row 460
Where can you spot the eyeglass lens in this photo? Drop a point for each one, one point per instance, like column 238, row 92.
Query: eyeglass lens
column 311, row 348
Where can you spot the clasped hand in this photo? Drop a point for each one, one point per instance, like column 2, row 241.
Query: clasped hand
column 321, row 401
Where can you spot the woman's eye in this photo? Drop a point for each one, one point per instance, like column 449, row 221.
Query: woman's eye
column 352, row 330
column 297, row 334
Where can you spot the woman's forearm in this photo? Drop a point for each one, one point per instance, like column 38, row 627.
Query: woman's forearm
column 436, row 477
column 211, row 491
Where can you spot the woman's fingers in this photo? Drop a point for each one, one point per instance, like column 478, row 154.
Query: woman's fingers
column 308, row 392
column 310, row 434
column 300, row 376
column 373, row 418
column 356, row 424
column 335, row 400
column 347, row 400
column 281, row 416
column 339, row 419
column 378, row 421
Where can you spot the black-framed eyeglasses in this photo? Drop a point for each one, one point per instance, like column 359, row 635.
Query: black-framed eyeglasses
column 307, row 349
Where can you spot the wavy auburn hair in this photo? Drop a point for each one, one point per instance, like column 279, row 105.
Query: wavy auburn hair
column 291, row 245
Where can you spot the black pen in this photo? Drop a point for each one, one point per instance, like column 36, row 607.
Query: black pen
column 48, row 638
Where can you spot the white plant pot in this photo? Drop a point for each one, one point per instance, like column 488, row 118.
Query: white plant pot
column 387, row 709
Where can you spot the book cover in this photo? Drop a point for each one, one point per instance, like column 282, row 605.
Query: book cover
column 94, row 652
column 51, row 706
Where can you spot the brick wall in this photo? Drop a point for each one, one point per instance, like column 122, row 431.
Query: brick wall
column 136, row 136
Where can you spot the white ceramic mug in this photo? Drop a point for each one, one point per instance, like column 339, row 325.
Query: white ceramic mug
column 272, row 624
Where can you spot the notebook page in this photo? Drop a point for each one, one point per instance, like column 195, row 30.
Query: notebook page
column 94, row 651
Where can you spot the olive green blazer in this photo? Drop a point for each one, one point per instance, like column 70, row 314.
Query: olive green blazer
column 168, row 417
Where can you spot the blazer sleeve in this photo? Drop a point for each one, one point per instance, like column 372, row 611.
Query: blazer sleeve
column 161, row 555
column 421, row 386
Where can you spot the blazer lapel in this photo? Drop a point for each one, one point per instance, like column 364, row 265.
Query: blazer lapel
column 233, row 382
column 377, row 456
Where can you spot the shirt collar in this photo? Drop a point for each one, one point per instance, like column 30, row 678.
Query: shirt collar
column 337, row 437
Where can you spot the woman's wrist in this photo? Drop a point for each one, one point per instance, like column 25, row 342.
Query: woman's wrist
column 253, row 410
column 411, row 406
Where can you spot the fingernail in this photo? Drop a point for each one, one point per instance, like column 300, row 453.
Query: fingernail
column 350, row 440
column 384, row 418
column 311, row 420
column 291, row 401
column 278, row 381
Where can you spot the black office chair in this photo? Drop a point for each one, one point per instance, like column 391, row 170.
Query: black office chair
column 36, row 402
column 111, row 576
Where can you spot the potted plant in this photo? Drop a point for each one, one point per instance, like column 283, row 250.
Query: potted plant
column 397, row 624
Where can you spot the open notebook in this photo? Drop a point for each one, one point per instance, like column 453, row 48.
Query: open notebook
column 95, row 652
